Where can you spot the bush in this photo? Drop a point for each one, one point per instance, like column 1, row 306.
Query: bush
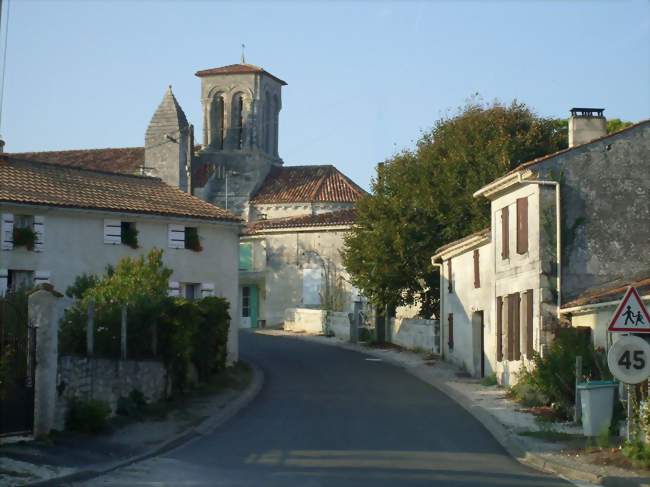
column 638, row 453
column 209, row 344
column 133, row 406
column 87, row 416
column 489, row 380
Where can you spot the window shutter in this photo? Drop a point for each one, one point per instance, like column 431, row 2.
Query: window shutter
column 450, row 330
column 522, row 225
column 39, row 230
column 4, row 281
column 505, row 234
column 174, row 288
column 510, row 330
column 529, row 324
column 41, row 277
column 516, row 317
column 7, row 231
column 450, row 284
column 477, row 270
column 176, row 237
column 112, row 232
column 207, row 289
column 245, row 256
column 499, row 313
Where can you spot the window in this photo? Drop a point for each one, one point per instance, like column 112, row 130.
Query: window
column 528, row 299
column 20, row 280
column 450, row 330
column 192, row 240
column 129, row 234
column 23, row 232
column 499, row 313
column 180, row 237
column 246, row 256
column 522, row 225
column 246, row 302
column 311, row 285
column 191, row 290
column 450, row 284
column 117, row 232
column 505, row 234
column 477, row 270
column 217, row 121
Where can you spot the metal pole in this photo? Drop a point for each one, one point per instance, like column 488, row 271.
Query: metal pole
column 577, row 414
column 629, row 411
column 226, row 189
column 90, row 329
column 123, row 334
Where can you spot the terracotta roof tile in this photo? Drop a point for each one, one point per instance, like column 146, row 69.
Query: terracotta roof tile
column 610, row 292
column 125, row 160
column 237, row 69
column 307, row 184
column 39, row 183
column 481, row 233
column 332, row 218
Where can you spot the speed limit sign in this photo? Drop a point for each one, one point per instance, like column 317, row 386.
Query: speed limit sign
column 629, row 359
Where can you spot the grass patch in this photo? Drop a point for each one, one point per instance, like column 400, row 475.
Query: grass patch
column 489, row 380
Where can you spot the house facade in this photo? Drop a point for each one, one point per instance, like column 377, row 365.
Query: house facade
column 541, row 258
column 85, row 220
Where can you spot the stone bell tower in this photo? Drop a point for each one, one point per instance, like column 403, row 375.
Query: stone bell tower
column 241, row 109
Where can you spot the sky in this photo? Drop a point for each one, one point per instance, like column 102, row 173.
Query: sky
column 364, row 78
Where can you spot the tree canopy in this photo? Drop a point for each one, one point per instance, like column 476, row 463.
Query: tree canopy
column 422, row 198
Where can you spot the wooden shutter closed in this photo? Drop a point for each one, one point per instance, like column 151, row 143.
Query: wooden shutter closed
column 112, row 232
column 477, row 270
column 176, row 237
column 505, row 234
column 207, row 289
column 522, row 225
column 516, row 324
column 499, row 312
column 39, row 230
column 450, row 284
column 7, row 231
column 450, row 330
column 529, row 324
column 41, row 277
column 174, row 288
column 4, row 281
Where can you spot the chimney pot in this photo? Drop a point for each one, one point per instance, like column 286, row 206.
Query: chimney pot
column 585, row 125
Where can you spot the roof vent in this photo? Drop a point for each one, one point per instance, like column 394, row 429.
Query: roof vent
column 585, row 125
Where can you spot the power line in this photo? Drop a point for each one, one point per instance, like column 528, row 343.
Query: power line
column 4, row 61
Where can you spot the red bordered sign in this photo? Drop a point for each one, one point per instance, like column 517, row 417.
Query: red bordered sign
column 631, row 314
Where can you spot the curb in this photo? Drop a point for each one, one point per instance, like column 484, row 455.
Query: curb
column 506, row 438
column 204, row 428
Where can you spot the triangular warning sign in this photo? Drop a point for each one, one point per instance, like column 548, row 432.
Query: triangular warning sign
column 631, row 314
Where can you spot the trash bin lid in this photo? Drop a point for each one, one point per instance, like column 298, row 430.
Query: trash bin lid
column 596, row 384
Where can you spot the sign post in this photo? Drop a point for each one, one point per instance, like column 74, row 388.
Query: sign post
column 629, row 357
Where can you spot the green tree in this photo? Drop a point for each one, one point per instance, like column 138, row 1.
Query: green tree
column 616, row 124
column 422, row 198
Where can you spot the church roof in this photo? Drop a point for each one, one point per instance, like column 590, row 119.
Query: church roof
column 307, row 184
column 345, row 217
column 168, row 118
column 237, row 69
column 38, row 183
column 125, row 160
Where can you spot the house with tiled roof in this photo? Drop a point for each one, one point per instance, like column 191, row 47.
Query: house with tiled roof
column 238, row 167
column 569, row 233
column 58, row 222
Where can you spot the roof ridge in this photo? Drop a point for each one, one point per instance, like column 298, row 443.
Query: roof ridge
column 11, row 158
column 73, row 150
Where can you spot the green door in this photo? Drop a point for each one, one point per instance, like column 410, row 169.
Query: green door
column 250, row 304
column 254, row 306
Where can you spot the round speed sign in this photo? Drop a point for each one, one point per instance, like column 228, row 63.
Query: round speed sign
column 629, row 359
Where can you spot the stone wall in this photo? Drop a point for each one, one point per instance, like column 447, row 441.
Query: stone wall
column 414, row 334
column 106, row 380
column 304, row 320
column 339, row 324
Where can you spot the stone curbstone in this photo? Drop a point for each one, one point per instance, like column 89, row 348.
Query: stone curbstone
column 206, row 427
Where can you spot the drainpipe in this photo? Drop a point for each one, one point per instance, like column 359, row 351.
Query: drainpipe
column 440, row 324
column 558, row 231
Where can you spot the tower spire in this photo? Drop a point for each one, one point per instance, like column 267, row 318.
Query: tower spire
column 243, row 57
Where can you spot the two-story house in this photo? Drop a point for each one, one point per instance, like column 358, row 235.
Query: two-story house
column 539, row 258
column 60, row 222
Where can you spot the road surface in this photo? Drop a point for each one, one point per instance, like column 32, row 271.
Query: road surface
column 331, row 417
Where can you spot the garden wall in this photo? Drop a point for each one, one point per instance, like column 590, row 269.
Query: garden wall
column 339, row 324
column 106, row 380
column 304, row 320
column 414, row 334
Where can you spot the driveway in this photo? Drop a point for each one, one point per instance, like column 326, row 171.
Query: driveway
column 332, row 417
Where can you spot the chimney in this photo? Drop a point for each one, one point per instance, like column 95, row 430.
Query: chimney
column 585, row 125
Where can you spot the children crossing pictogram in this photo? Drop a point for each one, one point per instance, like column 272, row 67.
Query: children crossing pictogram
column 631, row 314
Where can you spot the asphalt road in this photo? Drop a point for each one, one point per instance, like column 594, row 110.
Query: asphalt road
column 330, row 417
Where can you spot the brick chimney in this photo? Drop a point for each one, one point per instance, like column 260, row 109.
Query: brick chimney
column 585, row 125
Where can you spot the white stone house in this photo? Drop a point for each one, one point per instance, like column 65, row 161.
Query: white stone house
column 80, row 218
column 537, row 259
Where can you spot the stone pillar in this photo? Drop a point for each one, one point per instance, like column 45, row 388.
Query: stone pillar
column 44, row 312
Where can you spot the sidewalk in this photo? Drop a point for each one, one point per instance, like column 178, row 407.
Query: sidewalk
column 69, row 456
column 503, row 417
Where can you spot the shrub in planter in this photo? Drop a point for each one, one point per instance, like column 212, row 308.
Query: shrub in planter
column 87, row 416
column 24, row 237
